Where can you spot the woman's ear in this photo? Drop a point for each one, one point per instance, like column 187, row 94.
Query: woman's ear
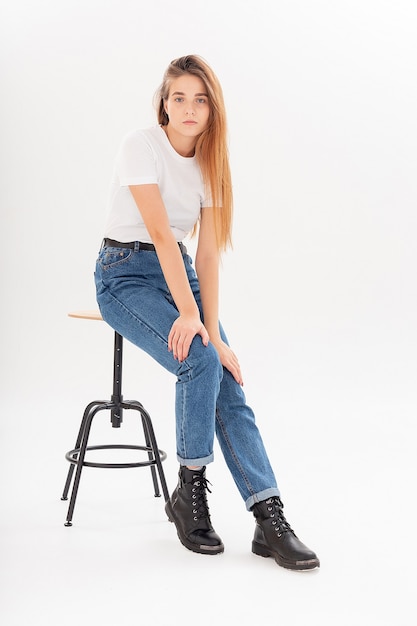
column 166, row 109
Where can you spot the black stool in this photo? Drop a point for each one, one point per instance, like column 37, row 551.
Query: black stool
column 76, row 457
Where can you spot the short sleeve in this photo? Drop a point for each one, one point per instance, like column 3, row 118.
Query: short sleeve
column 136, row 162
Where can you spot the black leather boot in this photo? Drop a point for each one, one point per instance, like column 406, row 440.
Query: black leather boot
column 275, row 537
column 189, row 511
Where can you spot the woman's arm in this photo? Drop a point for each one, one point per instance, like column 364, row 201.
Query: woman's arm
column 150, row 204
column 207, row 268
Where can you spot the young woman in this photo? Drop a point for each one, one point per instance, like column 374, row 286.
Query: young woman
column 169, row 181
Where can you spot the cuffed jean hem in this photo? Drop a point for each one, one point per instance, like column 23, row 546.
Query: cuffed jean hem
column 205, row 460
column 262, row 495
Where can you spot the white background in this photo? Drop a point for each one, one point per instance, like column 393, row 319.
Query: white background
column 319, row 300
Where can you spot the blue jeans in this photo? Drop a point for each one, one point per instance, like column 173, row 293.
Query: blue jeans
column 135, row 301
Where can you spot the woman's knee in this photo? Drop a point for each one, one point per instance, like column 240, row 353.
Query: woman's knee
column 203, row 360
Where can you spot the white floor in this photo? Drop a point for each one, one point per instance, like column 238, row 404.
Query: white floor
column 349, row 492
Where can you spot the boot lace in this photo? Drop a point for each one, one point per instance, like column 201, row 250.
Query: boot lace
column 275, row 508
column 199, row 497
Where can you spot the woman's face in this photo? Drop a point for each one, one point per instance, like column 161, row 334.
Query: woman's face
column 187, row 106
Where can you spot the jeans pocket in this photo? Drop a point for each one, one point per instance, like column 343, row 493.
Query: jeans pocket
column 111, row 257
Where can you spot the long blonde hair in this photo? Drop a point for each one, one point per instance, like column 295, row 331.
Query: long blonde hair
column 211, row 149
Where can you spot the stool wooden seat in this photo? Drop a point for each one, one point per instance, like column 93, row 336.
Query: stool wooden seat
column 116, row 405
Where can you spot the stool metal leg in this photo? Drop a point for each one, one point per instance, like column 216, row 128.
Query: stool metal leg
column 153, row 452
column 76, row 457
column 88, row 408
column 80, row 460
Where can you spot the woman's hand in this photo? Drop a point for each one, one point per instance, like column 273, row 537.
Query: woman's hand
column 182, row 332
column 229, row 360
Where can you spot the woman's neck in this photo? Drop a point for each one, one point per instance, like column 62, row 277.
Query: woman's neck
column 185, row 146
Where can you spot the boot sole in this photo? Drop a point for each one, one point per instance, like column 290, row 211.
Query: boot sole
column 200, row 549
column 261, row 550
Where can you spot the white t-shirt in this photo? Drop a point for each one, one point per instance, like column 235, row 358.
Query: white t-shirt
column 146, row 157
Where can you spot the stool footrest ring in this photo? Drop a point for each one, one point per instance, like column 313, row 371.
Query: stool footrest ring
column 72, row 456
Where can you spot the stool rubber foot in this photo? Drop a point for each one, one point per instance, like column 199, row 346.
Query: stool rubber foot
column 62, row 498
column 68, row 524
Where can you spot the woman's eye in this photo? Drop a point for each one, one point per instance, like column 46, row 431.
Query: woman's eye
column 201, row 100
column 179, row 99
